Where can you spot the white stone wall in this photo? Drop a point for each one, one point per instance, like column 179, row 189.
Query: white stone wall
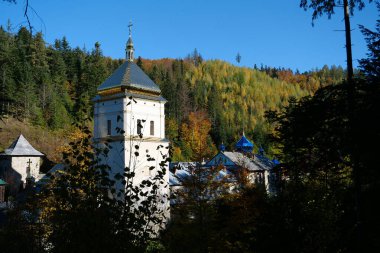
column 141, row 165
column 20, row 165
column 122, row 151
column 147, row 110
column 141, row 162
column 128, row 112
column 122, row 154
column 104, row 111
column 266, row 179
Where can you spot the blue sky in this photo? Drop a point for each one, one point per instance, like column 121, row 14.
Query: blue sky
column 276, row 33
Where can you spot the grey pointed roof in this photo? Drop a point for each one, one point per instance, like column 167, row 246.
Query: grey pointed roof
column 130, row 75
column 130, row 41
column 257, row 163
column 21, row 147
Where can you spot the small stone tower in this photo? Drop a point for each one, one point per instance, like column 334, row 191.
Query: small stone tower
column 20, row 164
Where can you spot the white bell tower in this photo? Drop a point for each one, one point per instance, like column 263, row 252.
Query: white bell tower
column 129, row 116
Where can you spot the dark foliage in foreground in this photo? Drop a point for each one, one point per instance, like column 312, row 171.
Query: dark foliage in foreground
column 81, row 209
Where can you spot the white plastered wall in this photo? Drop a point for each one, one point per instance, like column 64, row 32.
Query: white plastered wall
column 128, row 112
column 20, row 165
column 124, row 113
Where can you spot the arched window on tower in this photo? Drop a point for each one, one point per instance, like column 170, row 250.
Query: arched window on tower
column 109, row 127
column 139, row 126
column 152, row 128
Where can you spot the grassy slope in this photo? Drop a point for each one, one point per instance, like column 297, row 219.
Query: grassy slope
column 46, row 141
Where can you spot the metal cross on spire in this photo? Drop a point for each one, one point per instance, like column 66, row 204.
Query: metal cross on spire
column 130, row 50
column 130, row 28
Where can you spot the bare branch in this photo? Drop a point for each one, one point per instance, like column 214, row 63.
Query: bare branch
column 27, row 16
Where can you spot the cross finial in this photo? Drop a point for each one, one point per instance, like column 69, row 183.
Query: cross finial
column 129, row 49
column 130, row 28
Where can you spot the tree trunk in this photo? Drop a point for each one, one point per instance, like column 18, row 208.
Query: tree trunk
column 353, row 128
column 350, row 71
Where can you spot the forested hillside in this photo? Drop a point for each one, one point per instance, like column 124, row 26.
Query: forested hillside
column 235, row 98
column 51, row 86
column 48, row 84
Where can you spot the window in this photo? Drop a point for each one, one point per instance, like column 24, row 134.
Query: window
column 109, row 127
column 152, row 128
column 139, row 126
column 259, row 178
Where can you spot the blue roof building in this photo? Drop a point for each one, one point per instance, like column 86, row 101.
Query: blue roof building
column 244, row 145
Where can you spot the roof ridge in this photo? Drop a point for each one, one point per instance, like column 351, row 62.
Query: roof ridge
column 14, row 143
column 127, row 75
column 21, row 147
column 130, row 75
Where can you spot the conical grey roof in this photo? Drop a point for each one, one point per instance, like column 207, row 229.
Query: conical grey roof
column 130, row 42
column 130, row 75
column 21, row 147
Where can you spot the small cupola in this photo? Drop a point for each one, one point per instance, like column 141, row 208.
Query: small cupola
column 261, row 151
column 244, row 145
column 222, row 148
column 130, row 50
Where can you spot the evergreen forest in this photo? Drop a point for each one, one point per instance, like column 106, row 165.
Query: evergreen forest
column 51, row 86
column 321, row 126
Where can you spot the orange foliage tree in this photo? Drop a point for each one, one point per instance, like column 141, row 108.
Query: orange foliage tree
column 195, row 137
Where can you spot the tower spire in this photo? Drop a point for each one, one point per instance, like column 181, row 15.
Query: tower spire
column 130, row 49
column 130, row 29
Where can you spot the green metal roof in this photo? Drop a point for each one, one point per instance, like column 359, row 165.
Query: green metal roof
column 2, row 182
